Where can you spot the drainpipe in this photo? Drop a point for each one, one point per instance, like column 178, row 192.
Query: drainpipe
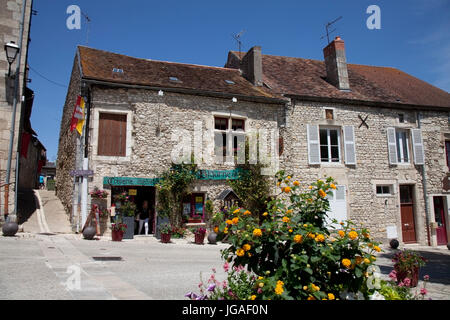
column 424, row 186
column 84, row 184
column 13, row 117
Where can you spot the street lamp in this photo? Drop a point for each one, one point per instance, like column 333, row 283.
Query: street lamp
column 12, row 50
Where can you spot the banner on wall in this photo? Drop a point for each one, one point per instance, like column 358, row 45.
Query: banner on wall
column 78, row 116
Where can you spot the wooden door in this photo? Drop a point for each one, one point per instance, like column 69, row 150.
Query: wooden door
column 439, row 216
column 407, row 214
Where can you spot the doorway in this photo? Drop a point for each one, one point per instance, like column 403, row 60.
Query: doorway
column 407, row 214
column 439, row 217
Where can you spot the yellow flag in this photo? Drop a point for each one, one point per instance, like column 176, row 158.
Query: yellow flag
column 80, row 122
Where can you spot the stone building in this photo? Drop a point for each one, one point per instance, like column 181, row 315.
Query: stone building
column 378, row 131
column 11, row 14
column 384, row 135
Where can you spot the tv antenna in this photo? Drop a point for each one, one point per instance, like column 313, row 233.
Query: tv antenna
column 88, row 22
column 237, row 37
column 327, row 26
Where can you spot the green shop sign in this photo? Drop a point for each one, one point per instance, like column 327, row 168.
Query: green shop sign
column 149, row 182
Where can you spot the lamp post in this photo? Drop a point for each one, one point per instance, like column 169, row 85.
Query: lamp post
column 12, row 49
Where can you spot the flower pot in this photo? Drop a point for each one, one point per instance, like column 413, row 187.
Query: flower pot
column 199, row 238
column 89, row 233
column 129, row 233
column 165, row 237
column 117, row 235
column 412, row 275
column 212, row 238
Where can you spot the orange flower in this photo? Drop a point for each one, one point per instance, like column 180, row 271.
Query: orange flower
column 265, row 214
column 229, row 221
column 322, row 193
column 289, row 211
column 377, row 248
column 332, row 186
column 286, row 219
column 346, row 263
column 246, row 247
column 257, row 232
column 287, row 189
column 320, row 238
column 216, row 229
column 311, row 235
column 225, row 230
column 296, row 183
column 240, row 252
column 235, row 220
column 247, row 213
column 353, row 235
column 341, row 233
column 298, row 238
column 236, row 211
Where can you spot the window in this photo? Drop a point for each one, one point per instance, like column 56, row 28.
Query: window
column 384, row 190
column 329, row 145
column 226, row 129
column 401, row 118
column 112, row 134
column 447, row 153
column 402, row 138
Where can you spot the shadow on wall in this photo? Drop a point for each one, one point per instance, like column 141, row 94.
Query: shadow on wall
column 437, row 266
column 26, row 205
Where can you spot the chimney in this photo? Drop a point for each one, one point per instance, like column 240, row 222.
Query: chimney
column 336, row 64
column 252, row 66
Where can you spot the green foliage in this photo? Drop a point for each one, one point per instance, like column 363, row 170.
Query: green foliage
column 128, row 209
column 165, row 228
column 172, row 188
column 391, row 291
column 293, row 252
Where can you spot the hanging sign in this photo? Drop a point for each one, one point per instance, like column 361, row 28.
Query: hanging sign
column 132, row 192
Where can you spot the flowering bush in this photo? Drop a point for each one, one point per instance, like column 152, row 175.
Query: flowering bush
column 292, row 251
column 401, row 290
column 165, row 228
column 119, row 226
column 200, row 231
column 98, row 194
column 178, row 232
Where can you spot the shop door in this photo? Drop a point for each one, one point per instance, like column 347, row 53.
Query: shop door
column 439, row 216
column 407, row 214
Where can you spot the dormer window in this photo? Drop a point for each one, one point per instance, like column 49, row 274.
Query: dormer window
column 229, row 82
column 174, row 79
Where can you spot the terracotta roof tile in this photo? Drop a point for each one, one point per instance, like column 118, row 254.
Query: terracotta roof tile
column 98, row 65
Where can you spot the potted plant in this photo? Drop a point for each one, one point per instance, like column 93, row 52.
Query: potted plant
column 199, row 235
column 178, row 232
column 98, row 194
column 406, row 265
column 117, row 231
column 165, row 230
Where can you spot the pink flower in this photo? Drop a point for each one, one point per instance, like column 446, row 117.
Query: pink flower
column 393, row 275
column 407, row 282
column 423, row 291
column 426, row 277
column 226, row 267
column 224, row 284
column 259, row 290
column 214, row 270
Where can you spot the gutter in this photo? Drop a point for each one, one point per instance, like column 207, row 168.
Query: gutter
column 189, row 91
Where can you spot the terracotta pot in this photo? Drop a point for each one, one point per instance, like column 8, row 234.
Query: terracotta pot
column 117, row 235
column 165, row 237
column 412, row 274
column 199, row 238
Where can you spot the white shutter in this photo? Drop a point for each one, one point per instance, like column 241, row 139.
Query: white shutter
column 392, row 146
column 349, row 145
column 338, row 207
column 313, row 144
column 419, row 154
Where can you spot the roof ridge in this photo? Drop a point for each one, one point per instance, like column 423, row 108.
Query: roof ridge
column 162, row 61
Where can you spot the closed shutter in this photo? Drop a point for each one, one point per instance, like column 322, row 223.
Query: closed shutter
column 392, row 146
column 349, row 145
column 112, row 135
column 313, row 144
column 338, row 207
column 419, row 154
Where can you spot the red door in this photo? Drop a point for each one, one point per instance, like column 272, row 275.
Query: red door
column 407, row 214
column 439, row 216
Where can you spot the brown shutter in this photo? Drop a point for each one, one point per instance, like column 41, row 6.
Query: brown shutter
column 112, row 134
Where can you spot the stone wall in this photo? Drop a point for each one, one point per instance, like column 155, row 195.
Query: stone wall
column 372, row 168
column 10, row 16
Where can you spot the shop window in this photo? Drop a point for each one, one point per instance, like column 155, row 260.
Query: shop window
column 112, row 135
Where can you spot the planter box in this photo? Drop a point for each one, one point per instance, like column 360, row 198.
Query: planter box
column 199, row 238
column 116, row 235
column 129, row 221
column 165, row 237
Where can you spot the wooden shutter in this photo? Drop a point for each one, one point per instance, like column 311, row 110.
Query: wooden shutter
column 112, row 135
column 417, row 143
column 313, row 144
column 392, row 146
column 349, row 145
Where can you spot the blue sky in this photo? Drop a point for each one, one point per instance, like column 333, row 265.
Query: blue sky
column 414, row 37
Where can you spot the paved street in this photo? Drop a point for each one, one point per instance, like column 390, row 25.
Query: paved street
column 43, row 262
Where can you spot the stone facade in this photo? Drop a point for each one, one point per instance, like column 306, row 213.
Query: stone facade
column 10, row 17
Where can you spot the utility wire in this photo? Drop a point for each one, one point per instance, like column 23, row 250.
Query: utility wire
column 44, row 77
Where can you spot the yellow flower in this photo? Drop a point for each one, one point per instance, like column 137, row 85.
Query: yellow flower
column 289, row 177
column 247, row 213
column 310, row 187
column 311, row 235
column 353, row 235
column 373, row 258
column 289, row 211
column 280, row 283
column 225, row 230
column 260, row 278
column 311, row 298
column 287, row 189
column 322, row 193
column 298, row 238
column 366, row 261
column 341, row 233
column 257, row 232
column 253, row 297
column 377, row 248
column 290, row 230
column 235, row 220
column 346, row 263
column 236, row 211
column 286, row 219
column 331, row 296
column 216, row 229
column 240, row 252
column 249, row 254
column 296, row 183
column 332, row 186
column 320, row 238
column 278, row 184
column 305, row 288
column 265, row 214
column 246, row 247
column 229, row 221
column 279, row 290
column 261, row 284
column 314, row 287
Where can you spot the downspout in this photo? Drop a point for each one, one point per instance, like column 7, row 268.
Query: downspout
column 424, row 187
column 13, row 117
column 84, row 185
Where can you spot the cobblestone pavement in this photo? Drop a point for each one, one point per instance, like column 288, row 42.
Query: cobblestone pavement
column 437, row 267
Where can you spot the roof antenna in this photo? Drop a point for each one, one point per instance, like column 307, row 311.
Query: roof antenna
column 88, row 20
column 327, row 26
column 237, row 37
